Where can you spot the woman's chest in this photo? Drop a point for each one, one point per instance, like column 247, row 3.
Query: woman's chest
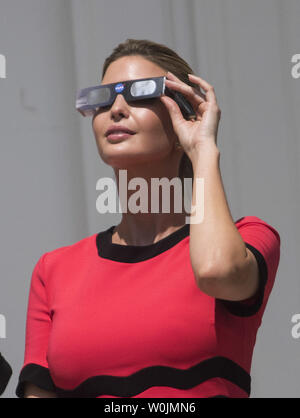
column 119, row 324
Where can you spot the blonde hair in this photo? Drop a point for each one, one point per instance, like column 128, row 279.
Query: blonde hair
column 167, row 59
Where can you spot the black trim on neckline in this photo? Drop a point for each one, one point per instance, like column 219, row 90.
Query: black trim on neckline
column 136, row 253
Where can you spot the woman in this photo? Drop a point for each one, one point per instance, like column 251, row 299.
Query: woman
column 155, row 306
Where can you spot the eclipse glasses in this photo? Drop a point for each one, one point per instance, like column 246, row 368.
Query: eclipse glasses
column 90, row 99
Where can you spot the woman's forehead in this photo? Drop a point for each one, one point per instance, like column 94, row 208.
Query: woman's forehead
column 131, row 68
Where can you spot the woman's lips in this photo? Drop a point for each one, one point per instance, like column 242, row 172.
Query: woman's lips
column 118, row 136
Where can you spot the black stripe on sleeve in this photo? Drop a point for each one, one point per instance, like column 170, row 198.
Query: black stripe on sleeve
column 239, row 308
column 36, row 374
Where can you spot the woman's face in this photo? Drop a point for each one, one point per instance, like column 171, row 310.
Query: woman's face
column 154, row 137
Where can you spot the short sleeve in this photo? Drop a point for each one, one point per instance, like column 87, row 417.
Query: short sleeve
column 263, row 241
column 38, row 323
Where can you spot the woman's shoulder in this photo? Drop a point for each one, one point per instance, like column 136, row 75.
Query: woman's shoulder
column 249, row 218
column 73, row 250
column 257, row 224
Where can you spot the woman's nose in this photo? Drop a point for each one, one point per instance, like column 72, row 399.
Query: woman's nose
column 119, row 107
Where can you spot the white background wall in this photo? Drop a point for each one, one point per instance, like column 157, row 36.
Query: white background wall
column 49, row 164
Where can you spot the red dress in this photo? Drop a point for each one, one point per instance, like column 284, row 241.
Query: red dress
column 110, row 320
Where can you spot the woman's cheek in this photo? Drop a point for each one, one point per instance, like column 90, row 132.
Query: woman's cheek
column 150, row 122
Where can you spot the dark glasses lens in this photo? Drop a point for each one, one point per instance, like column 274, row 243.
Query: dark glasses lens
column 98, row 96
column 143, row 88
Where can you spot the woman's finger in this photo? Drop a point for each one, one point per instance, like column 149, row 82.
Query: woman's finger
column 192, row 94
column 174, row 110
column 196, row 90
column 210, row 92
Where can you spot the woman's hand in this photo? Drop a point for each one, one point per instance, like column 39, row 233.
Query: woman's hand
column 202, row 131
